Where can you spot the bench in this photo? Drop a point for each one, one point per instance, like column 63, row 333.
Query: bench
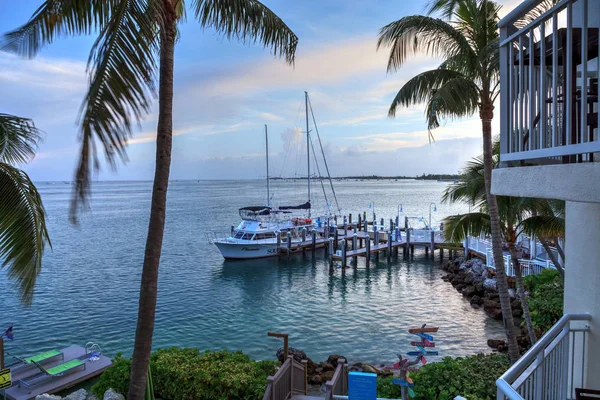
column 51, row 373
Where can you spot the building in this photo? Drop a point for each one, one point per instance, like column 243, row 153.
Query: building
column 549, row 70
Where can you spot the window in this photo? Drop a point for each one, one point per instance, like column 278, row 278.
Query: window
column 239, row 234
column 270, row 235
column 247, row 236
column 259, row 236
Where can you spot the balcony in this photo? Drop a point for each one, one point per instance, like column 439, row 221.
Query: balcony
column 555, row 367
column 549, row 70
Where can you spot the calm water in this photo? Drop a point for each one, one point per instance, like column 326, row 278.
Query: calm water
column 88, row 289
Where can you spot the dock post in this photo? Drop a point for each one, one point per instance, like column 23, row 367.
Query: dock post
column 368, row 249
column 432, row 242
column 374, row 219
column 366, row 226
column 376, row 242
column 289, row 243
column 405, row 223
column 278, row 242
column 426, row 251
column 335, row 238
column 345, row 227
column 314, row 240
column 335, row 221
column 365, row 216
column 407, row 245
column 389, row 244
column 397, row 220
column 350, row 218
column 326, row 230
column 330, row 248
column 359, row 222
column 381, row 223
column 391, row 224
column 343, row 253
column 355, row 245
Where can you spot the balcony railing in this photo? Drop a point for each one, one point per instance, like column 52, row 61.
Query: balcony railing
column 549, row 70
column 554, row 367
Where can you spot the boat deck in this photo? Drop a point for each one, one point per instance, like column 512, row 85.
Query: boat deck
column 56, row 384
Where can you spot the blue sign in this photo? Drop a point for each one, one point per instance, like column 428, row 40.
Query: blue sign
column 362, row 386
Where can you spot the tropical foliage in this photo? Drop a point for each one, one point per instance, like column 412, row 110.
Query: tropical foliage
column 470, row 377
column 190, row 374
column 466, row 82
column 23, row 232
column 132, row 55
column 546, row 299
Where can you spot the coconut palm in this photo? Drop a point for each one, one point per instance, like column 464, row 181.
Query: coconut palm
column 518, row 215
column 23, row 233
column 465, row 83
column 135, row 49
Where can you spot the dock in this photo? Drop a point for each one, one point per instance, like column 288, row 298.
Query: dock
column 53, row 384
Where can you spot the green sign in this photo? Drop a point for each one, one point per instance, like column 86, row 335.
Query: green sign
column 5, row 378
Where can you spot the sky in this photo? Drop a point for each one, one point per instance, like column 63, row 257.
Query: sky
column 225, row 92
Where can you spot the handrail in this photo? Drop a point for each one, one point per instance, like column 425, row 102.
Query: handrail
column 516, row 13
column 284, row 384
column 523, row 365
column 338, row 377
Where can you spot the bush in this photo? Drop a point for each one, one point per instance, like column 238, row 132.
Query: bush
column 546, row 292
column 190, row 374
column 116, row 377
column 471, row 377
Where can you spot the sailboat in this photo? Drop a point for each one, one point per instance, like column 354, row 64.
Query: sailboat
column 256, row 235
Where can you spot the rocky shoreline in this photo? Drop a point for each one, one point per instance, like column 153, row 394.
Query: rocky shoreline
column 477, row 283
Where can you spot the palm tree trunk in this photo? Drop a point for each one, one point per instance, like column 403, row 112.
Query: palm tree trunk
column 486, row 114
column 521, row 292
column 149, row 284
column 553, row 258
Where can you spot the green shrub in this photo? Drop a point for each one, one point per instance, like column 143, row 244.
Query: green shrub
column 471, row 377
column 190, row 374
column 546, row 292
column 116, row 377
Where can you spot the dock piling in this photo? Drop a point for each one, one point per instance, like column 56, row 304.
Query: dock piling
column 289, row 243
column 344, row 254
column 350, row 218
column 389, row 244
column 314, row 240
column 330, row 247
column 368, row 249
column 359, row 222
column 278, row 241
column 335, row 239
column 432, row 243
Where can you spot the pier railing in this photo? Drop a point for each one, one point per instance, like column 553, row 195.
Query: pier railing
column 290, row 379
column 553, row 367
column 338, row 385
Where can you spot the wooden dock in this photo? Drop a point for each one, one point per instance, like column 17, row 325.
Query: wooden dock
column 54, row 384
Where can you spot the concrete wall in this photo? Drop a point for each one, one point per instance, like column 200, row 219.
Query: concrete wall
column 582, row 276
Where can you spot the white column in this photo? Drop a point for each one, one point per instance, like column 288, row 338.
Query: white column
column 582, row 276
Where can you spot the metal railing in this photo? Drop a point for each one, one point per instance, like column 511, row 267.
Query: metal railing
column 289, row 379
column 553, row 367
column 338, row 385
column 549, row 70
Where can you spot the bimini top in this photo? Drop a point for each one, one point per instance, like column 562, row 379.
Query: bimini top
column 305, row 206
column 255, row 211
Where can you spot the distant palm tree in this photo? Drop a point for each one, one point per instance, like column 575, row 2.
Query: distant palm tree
column 23, row 233
column 136, row 43
column 465, row 83
column 518, row 215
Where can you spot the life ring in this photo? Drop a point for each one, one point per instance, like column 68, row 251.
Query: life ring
column 301, row 221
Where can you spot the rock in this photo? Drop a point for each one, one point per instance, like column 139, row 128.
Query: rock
column 460, row 287
column 446, row 278
column 492, row 308
column 492, row 296
column 328, row 367
column 469, row 278
column 47, row 396
column 299, row 355
column 512, row 293
column 386, row 372
column 490, row 284
column 81, row 394
column 502, row 348
column 370, row 369
column 326, row 376
column 318, row 370
column 315, row 379
column 517, row 312
column 494, row 343
column 112, row 395
column 469, row 291
column 333, row 359
column 515, row 303
column 476, row 300
column 92, row 397
column 479, row 287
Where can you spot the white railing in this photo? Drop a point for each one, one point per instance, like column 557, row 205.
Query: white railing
column 549, row 71
column 424, row 236
column 553, row 367
column 483, row 247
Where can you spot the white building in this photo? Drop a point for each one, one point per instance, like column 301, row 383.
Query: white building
column 550, row 148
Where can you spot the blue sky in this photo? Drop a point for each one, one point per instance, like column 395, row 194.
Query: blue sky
column 226, row 91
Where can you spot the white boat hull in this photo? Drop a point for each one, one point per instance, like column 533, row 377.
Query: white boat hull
column 244, row 251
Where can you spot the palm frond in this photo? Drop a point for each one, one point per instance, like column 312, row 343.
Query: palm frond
column 421, row 34
column 18, row 139
column 457, row 227
column 535, row 13
column 23, row 233
column 470, row 189
column 57, row 18
column 122, row 69
column 543, row 226
column 445, row 7
column 248, row 21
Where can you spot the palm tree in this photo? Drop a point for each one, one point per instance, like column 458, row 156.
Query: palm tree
column 23, row 233
column 136, row 43
column 518, row 216
column 466, row 82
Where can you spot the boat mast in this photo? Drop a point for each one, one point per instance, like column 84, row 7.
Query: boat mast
column 267, row 151
column 307, row 148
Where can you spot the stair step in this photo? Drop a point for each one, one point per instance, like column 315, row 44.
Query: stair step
column 303, row 397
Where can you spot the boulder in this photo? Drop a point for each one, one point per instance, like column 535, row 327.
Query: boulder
column 479, row 287
column 299, row 355
column 512, row 293
column 315, row 379
column 494, row 343
column 328, row 367
column 469, row 291
column 460, row 286
column 490, row 284
column 92, row 397
column 112, row 395
column 476, row 300
column 326, row 376
column 47, row 396
column 517, row 312
column 333, row 359
column 370, row 369
column 386, row 372
column 80, row 394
